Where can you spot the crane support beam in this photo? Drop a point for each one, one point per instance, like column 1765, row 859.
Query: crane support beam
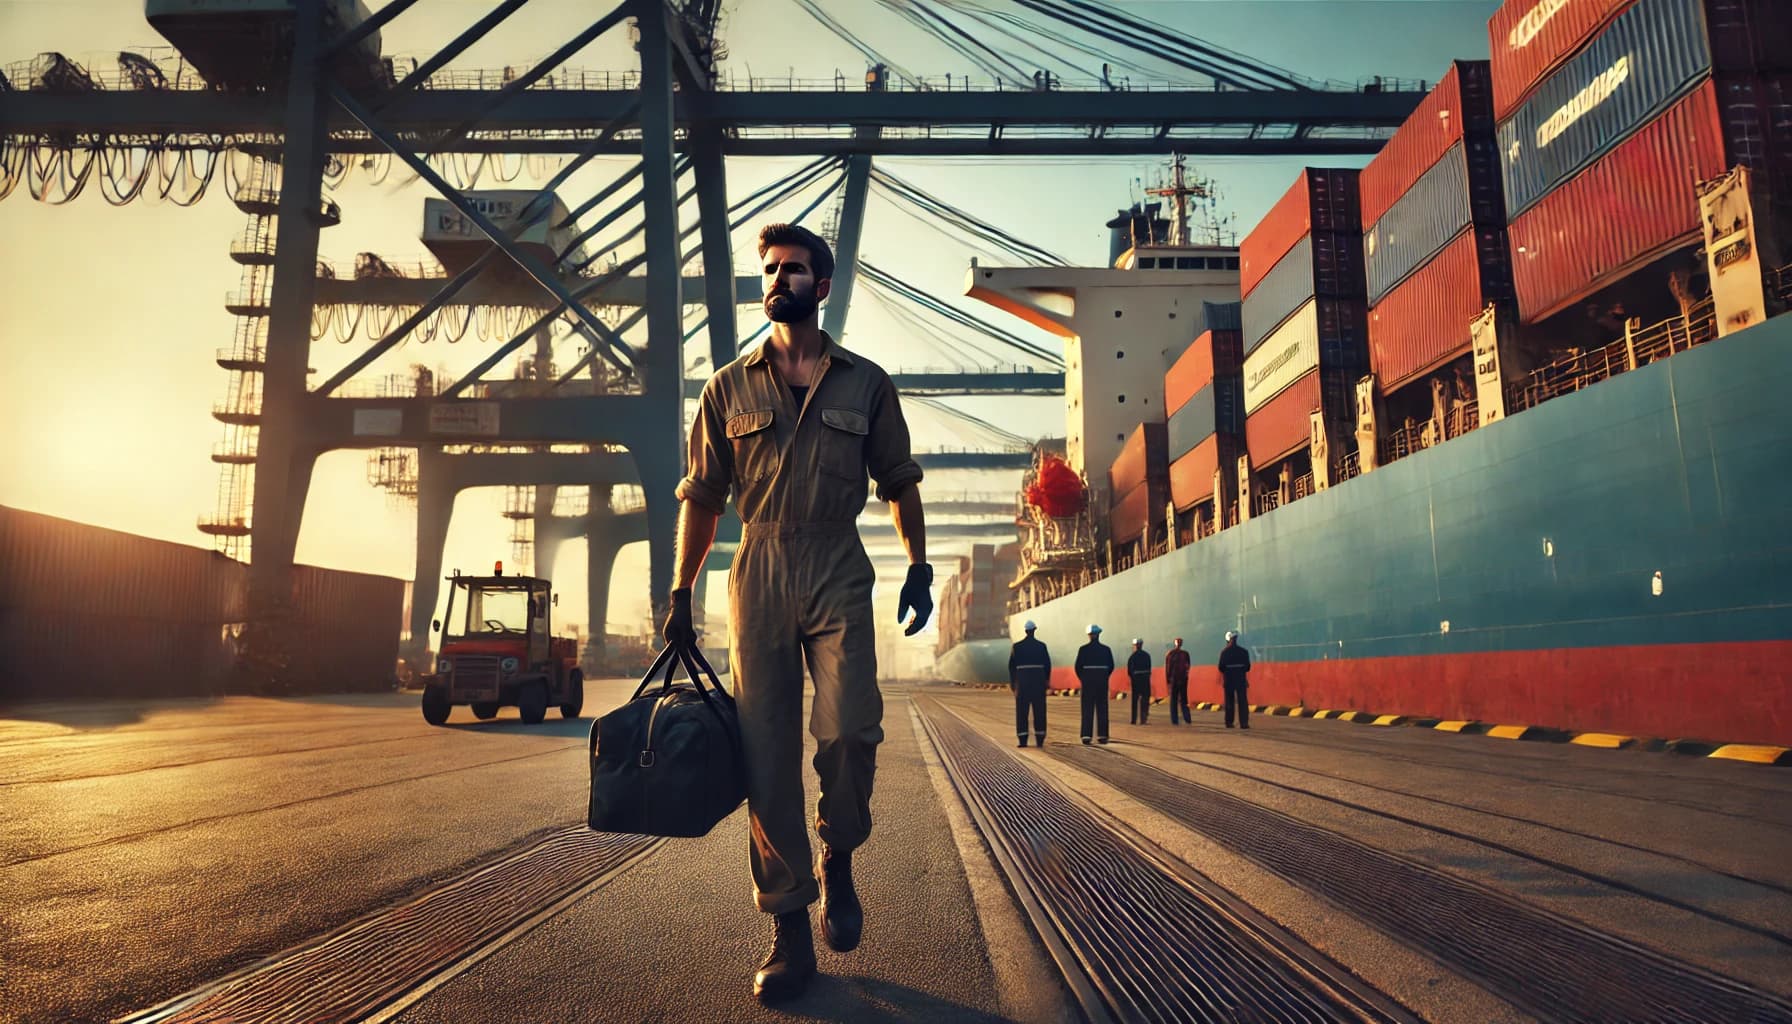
column 570, row 112
column 501, row 290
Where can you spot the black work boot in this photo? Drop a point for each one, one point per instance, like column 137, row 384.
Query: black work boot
column 791, row 965
column 1023, row 740
column 842, row 919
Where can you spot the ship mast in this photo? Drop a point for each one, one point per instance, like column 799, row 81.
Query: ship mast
column 1180, row 189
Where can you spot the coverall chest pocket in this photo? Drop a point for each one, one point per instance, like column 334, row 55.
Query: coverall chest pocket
column 755, row 444
column 843, row 443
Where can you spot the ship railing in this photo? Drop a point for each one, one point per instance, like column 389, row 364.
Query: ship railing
column 1265, row 501
column 1303, row 486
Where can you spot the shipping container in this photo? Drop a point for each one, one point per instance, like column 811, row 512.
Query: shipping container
column 1530, row 39
column 1328, row 264
column 1142, row 510
column 1321, row 199
column 1460, row 105
column 1648, row 57
column 1284, row 424
column 1756, row 111
column 348, row 624
column 1214, row 353
column 1463, row 188
column 1221, row 316
column 1424, row 321
column 1325, row 333
column 1635, row 204
column 1143, row 457
column 1216, row 408
column 1191, row 476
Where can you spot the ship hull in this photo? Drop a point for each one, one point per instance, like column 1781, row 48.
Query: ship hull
column 1511, row 574
column 976, row 661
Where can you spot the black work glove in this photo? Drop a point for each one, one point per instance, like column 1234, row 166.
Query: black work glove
column 915, row 594
column 679, row 629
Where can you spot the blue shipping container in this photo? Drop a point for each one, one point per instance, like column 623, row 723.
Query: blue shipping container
column 1216, row 408
column 1421, row 222
column 1328, row 264
column 1650, row 56
column 1222, row 316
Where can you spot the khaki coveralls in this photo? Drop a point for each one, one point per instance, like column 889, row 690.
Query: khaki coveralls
column 800, row 590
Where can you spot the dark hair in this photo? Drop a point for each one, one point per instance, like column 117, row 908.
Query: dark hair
column 821, row 258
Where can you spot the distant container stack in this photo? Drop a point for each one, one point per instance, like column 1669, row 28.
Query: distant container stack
column 1305, row 326
column 1435, row 250
column 1139, row 483
column 1611, row 115
column 1204, row 396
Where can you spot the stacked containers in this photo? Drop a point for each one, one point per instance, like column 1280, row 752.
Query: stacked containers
column 1435, row 253
column 1139, row 485
column 1305, row 331
column 1602, row 145
column 1204, row 396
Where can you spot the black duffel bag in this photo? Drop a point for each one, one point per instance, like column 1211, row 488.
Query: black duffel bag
column 668, row 762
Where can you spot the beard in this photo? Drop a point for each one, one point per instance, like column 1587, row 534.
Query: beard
column 790, row 307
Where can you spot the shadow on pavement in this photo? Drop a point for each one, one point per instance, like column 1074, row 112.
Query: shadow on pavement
column 862, row 1000
column 571, row 728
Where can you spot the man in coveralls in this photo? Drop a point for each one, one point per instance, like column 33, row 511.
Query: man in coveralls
column 1176, row 674
column 1138, row 670
column 792, row 428
column 1094, row 664
column 1029, row 669
column 1235, row 676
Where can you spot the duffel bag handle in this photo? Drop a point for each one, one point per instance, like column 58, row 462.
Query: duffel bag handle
column 690, row 657
column 663, row 661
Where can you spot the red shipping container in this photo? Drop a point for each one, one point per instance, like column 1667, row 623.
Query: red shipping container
column 1284, row 424
column 1531, row 38
column 1191, row 477
column 1213, row 352
column 1144, row 456
column 1423, row 322
column 1321, row 199
column 1635, row 204
column 1463, row 99
column 1139, row 510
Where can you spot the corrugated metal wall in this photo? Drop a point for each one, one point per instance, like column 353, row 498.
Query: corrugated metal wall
column 1634, row 204
column 1191, row 476
column 1424, row 321
column 1143, row 457
column 1420, row 223
column 1321, row 199
column 1638, row 66
column 1284, row 424
column 1215, row 352
column 87, row 612
column 1216, row 408
column 1530, row 38
column 1459, row 104
column 1328, row 264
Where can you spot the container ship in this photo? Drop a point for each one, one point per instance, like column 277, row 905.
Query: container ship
column 1491, row 429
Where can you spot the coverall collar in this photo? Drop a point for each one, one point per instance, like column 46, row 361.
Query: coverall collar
column 830, row 349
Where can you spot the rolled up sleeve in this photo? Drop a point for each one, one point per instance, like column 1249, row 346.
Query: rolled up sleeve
column 710, row 463
column 887, row 453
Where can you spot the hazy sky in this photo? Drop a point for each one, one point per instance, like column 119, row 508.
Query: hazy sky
column 110, row 318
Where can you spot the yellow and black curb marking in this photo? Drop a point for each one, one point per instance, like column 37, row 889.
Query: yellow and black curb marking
column 1749, row 752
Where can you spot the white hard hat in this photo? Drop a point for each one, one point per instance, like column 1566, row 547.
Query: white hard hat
column 1030, row 627
column 1094, row 629
column 1136, row 640
column 1230, row 635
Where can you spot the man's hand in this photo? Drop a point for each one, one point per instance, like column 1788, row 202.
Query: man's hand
column 916, row 595
column 679, row 629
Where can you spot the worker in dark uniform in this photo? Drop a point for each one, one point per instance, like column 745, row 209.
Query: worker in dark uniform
column 1094, row 666
column 792, row 428
column 1235, row 668
column 1029, row 670
column 1176, row 675
column 1138, row 670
